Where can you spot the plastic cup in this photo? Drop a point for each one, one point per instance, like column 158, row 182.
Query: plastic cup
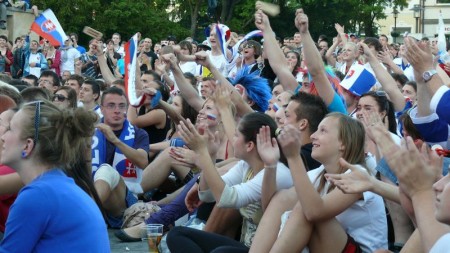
column 154, row 235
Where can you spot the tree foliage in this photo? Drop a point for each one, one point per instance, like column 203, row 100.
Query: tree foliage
column 160, row 18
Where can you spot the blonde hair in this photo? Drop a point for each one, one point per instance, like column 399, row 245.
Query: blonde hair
column 352, row 135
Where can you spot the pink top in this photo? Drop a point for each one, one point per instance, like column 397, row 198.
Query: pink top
column 5, row 200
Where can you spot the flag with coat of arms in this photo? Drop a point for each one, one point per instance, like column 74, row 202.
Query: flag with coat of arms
column 47, row 26
column 358, row 80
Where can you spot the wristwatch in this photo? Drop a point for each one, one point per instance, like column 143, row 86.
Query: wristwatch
column 427, row 75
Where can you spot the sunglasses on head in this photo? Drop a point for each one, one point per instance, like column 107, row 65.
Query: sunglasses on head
column 59, row 98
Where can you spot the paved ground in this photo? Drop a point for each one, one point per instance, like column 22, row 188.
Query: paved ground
column 118, row 246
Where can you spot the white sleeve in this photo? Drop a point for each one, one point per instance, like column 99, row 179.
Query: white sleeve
column 441, row 245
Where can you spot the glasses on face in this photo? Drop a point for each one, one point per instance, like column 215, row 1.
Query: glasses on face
column 121, row 107
column 246, row 46
column 59, row 98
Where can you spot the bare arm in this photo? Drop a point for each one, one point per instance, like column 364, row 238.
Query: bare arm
column 187, row 91
column 274, row 53
column 241, row 107
column 385, row 79
column 104, row 69
column 314, row 60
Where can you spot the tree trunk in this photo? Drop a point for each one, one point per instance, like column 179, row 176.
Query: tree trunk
column 194, row 16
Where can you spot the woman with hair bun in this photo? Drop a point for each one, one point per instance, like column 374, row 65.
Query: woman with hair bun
column 51, row 214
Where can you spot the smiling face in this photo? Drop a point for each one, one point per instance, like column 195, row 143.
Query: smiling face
column 212, row 37
column 349, row 53
column 208, row 114
column 61, row 100
column 207, row 88
column 326, row 143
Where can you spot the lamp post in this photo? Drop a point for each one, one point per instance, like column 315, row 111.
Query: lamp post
column 395, row 23
column 416, row 10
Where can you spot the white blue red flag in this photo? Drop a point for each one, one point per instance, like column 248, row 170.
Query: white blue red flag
column 223, row 34
column 358, row 80
column 130, row 72
column 47, row 26
column 255, row 33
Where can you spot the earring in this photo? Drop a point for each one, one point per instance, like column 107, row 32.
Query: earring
column 24, row 154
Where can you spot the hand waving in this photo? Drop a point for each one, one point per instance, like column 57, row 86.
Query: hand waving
column 267, row 147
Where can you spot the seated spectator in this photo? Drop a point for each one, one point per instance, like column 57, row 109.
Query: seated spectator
column 41, row 160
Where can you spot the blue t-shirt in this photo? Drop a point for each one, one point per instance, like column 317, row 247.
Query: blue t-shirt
column 337, row 105
column 81, row 49
column 52, row 214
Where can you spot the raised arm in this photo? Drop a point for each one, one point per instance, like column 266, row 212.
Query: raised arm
column 186, row 90
column 274, row 54
column 315, row 207
column 387, row 82
column 313, row 59
column 417, row 172
column 241, row 107
column 104, row 69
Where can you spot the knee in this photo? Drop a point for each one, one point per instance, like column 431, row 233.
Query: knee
column 176, row 233
column 107, row 174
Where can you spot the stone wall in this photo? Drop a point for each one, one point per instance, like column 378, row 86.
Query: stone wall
column 18, row 23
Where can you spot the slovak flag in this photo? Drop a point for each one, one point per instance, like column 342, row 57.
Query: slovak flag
column 358, row 80
column 48, row 27
column 223, row 34
column 130, row 72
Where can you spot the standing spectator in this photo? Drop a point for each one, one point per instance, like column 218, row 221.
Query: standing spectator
column 18, row 58
column 112, row 57
column 147, row 51
column 6, row 56
column 74, row 38
column 69, row 56
column 35, row 61
column 90, row 67
column 117, row 47
column 53, row 57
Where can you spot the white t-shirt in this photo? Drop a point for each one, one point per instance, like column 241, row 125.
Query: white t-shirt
column 245, row 194
column 68, row 57
column 408, row 70
column 442, row 245
column 36, row 59
column 364, row 221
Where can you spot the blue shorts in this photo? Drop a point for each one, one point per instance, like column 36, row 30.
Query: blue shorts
column 116, row 222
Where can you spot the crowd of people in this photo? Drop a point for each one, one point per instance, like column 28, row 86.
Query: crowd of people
column 257, row 140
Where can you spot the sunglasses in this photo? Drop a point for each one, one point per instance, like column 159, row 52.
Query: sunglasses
column 59, row 98
column 246, row 46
